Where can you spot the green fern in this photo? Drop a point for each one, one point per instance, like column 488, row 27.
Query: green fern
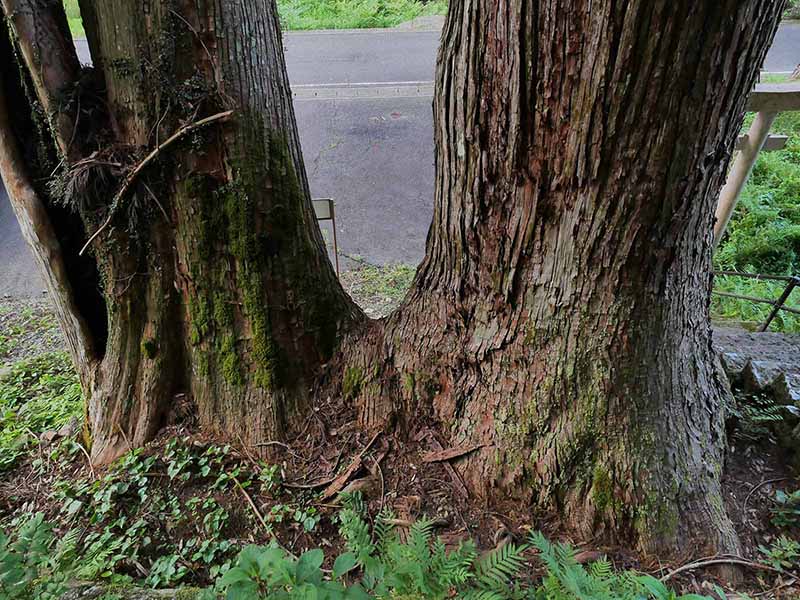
column 354, row 529
column 499, row 567
column 385, row 532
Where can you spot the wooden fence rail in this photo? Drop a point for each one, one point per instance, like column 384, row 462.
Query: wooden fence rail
column 767, row 100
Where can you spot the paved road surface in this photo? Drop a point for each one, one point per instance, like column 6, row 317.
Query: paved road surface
column 363, row 107
column 785, row 52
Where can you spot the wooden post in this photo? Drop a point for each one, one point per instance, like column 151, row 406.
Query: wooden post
column 742, row 167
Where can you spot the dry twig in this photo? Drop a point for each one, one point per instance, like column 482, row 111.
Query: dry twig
column 126, row 185
column 260, row 518
column 758, row 487
column 336, row 486
column 719, row 560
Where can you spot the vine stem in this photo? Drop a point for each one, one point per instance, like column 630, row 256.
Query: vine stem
column 112, row 211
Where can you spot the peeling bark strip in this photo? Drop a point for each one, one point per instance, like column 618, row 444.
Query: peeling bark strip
column 450, row 454
column 45, row 43
column 560, row 317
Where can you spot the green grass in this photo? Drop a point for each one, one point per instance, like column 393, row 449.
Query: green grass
column 752, row 314
column 792, row 10
column 775, row 78
column 354, row 14
column 74, row 18
column 36, row 395
column 325, row 14
column 764, row 233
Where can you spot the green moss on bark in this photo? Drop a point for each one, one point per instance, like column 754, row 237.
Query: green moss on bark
column 352, row 382
column 149, row 348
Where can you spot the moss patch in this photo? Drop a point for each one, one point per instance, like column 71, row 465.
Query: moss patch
column 352, row 382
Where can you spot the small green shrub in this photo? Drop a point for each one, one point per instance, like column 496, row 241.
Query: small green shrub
column 784, row 553
column 792, row 10
column 32, row 564
column 786, row 512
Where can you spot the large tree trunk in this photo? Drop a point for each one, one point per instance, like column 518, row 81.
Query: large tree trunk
column 560, row 318
column 217, row 285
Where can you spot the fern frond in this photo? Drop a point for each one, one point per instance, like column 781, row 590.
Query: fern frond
column 384, row 531
column 419, row 539
column 500, row 566
column 601, row 569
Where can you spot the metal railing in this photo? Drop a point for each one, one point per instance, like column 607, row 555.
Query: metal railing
column 792, row 281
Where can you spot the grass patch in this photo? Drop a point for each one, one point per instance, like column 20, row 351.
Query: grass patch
column 752, row 314
column 324, row 14
column 36, row 395
column 354, row 14
column 775, row 78
column 378, row 289
column 74, row 18
column 39, row 390
column 764, row 233
column 26, row 329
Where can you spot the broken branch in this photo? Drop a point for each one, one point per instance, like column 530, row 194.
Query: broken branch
column 223, row 116
column 450, row 453
column 337, row 485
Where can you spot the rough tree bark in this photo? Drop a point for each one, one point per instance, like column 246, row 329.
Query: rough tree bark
column 560, row 318
column 215, row 284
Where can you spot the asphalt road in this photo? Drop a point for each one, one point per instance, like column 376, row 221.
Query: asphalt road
column 785, row 52
column 363, row 108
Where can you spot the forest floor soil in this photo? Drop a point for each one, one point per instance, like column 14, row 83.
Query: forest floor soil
column 294, row 498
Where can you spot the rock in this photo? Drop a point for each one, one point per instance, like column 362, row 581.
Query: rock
column 761, row 362
column 48, row 436
column 787, row 389
column 761, row 374
column 734, row 363
column 70, row 428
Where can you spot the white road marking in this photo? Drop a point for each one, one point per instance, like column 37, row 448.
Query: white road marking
column 363, row 91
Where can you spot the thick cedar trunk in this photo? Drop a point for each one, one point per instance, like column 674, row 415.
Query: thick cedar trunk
column 219, row 292
column 561, row 314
